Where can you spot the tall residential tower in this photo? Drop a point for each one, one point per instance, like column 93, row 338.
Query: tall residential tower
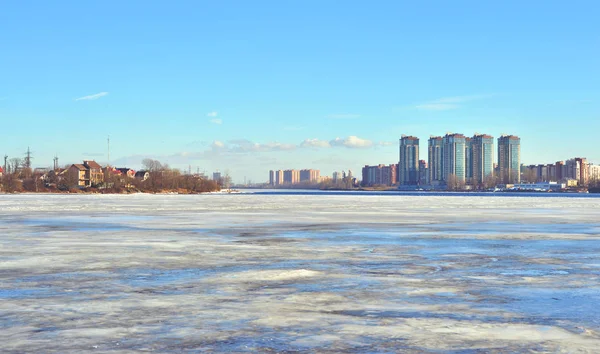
column 453, row 157
column 509, row 159
column 434, row 160
column 408, row 165
column 482, row 158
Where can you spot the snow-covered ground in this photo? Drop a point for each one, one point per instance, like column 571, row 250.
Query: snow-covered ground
column 260, row 273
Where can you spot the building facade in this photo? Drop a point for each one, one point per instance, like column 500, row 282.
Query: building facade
column 509, row 159
column 384, row 175
column 423, row 173
column 291, row 176
column 310, row 176
column 434, row 163
column 453, row 158
column 593, row 174
column 408, row 165
column 480, row 166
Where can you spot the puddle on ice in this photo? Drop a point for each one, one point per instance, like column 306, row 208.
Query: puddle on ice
column 306, row 273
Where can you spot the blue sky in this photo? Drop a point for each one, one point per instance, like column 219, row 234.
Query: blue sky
column 251, row 86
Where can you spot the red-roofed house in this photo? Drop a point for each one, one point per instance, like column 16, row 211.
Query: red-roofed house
column 1, row 171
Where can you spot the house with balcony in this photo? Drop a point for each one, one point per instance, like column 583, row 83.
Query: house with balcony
column 87, row 174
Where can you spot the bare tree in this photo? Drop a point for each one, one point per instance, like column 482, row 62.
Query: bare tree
column 151, row 165
column 15, row 163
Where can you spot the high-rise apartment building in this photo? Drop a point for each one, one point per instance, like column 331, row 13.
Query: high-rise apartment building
column 481, row 160
column 453, row 157
column 509, row 159
column 272, row 178
column 278, row 177
column 434, row 162
column 468, row 161
column 310, row 176
column 408, row 165
column 583, row 172
column 291, row 176
column 423, row 172
column 384, row 175
column 593, row 173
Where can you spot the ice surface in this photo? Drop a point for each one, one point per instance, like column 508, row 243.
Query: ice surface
column 280, row 273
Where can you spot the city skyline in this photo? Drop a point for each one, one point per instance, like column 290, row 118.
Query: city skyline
column 315, row 84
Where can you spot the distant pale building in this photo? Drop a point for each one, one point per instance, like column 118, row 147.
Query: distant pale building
column 509, row 159
column 583, row 171
column 594, row 173
column 217, row 176
column 291, row 176
column 271, row 177
column 408, row 163
column 434, row 162
column 279, row 177
column 310, row 176
column 336, row 176
column 384, row 175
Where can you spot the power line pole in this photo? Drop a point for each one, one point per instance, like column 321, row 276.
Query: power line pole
column 55, row 162
column 5, row 163
column 108, row 146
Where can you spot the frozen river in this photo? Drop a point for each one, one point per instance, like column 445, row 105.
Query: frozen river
column 288, row 273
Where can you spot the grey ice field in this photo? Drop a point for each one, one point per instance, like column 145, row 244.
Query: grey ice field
column 307, row 273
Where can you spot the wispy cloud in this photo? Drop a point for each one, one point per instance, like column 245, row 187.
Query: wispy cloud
column 343, row 116
column 448, row 103
column 352, row 142
column 315, row 143
column 293, row 128
column 386, row 143
column 216, row 121
column 92, row 97
column 212, row 114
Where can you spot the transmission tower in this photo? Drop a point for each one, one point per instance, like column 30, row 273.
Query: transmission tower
column 5, row 163
column 28, row 158
column 55, row 162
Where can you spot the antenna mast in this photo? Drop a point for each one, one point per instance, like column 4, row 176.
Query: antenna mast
column 108, row 146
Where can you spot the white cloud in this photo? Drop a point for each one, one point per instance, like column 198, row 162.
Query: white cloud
column 212, row 114
column 92, row 97
column 315, row 143
column 343, row 116
column 244, row 145
column 217, row 144
column 352, row 142
column 216, row 121
column 448, row 103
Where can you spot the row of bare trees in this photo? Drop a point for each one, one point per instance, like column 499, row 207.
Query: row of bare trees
column 162, row 179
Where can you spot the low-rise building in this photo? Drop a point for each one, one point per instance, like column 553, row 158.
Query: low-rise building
column 79, row 175
column 142, row 175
